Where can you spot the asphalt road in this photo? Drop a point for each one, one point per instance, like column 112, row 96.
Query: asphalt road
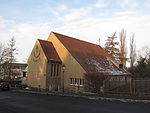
column 11, row 102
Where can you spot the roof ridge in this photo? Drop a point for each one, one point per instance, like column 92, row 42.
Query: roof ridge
column 43, row 40
column 77, row 39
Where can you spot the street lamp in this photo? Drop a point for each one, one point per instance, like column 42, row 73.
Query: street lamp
column 63, row 69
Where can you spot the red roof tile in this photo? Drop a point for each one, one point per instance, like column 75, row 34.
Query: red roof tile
column 91, row 57
column 77, row 46
column 49, row 50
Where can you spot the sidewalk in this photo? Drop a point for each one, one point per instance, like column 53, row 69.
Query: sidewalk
column 91, row 96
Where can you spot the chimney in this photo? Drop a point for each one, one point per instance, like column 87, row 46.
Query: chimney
column 121, row 66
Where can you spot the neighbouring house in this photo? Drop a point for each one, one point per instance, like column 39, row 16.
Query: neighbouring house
column 65, row 63
column 16, row 69
column 18, row 72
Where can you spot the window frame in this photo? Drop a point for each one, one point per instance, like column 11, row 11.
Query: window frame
column 81, row 82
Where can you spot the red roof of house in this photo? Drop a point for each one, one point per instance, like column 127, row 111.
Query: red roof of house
column 76, row 46
column 49, row 50
column 91, row 57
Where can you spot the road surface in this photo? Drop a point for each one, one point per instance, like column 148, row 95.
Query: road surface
column 12, row 102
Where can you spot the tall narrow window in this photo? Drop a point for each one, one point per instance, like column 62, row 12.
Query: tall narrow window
column 51, row 69
column 75, row 81
column 57, row 69
column 81, row 82
column 54, row 69
column 71, row 81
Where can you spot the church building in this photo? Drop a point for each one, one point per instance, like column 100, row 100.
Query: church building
column 63, row 63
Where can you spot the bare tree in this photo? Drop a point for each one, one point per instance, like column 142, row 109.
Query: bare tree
column 132, row 51
column 3, row 53
column 142, row 68
column 122, row 47
column 144, row 52
column 3, row 57
column 110, row 46
column 95, row 82
column 12, row 50
column 11, row 55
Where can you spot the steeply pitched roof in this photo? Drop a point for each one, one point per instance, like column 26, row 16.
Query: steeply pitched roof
column 91, row 57
column 49, row 50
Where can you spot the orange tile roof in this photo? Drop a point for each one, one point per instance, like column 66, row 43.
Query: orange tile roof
column 91, row 57
column 49, row 50
column 77, row 46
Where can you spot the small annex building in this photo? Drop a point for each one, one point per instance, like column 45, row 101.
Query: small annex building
column 65, row 63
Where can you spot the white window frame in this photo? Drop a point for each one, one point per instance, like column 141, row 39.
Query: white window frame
column 81, row 82
column 71, row 81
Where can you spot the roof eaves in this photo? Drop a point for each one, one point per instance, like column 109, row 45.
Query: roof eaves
column 54, row 61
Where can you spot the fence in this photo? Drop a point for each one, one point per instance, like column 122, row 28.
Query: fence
column 141, row 87
column 117, row 87
column 133, row 87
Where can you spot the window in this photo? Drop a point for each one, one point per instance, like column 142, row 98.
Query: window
column 76, row 81
column 57, row 69
column 54, row 69
column 81, row 82
column 71, row 81
column 24, row 74
column 51, row 69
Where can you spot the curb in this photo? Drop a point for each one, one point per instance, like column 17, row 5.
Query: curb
column 87, row 97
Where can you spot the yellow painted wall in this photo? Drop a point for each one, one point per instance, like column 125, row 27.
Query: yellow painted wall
column 37, row 68
column 73, row 68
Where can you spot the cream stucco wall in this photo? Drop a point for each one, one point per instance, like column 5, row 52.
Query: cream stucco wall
column 37, row 67
column 73, row 68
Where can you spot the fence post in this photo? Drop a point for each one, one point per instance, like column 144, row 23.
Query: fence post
column 134, row 87
column 131, row 86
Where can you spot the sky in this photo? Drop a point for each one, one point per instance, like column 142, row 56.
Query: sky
column 88, row 20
